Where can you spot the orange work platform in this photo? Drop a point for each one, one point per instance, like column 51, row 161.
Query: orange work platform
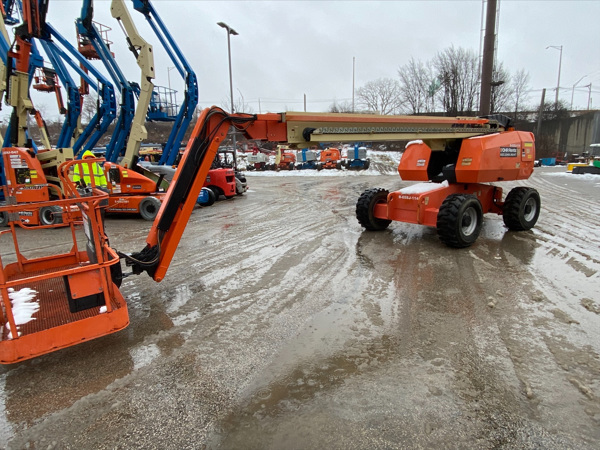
column 74, row 294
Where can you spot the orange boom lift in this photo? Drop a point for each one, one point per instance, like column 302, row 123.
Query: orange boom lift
column 78, row 291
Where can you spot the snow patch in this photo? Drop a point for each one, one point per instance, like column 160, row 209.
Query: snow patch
column 421, row 188
column 418, row 141
column 102, row 309
column 24, row 306
column 581, row 176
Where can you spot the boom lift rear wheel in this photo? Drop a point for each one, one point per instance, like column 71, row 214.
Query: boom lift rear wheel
column 51, row 215
column 521, row 208
column 3, row 219
column 365, row 207
column 459, row 220
column 149, row 207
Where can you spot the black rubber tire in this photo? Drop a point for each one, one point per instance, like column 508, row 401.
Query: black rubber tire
column 366, row 164
column 521, row 208
column 149, row 207
column 3, row 219
column 216, row 191
column 50, row 215
column 459, row 220
column 365, row 207
column 211, row 199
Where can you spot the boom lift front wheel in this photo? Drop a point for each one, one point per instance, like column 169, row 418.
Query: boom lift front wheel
column 149, row 207
column 365, row 208
column 521, row 208
column 459, row 220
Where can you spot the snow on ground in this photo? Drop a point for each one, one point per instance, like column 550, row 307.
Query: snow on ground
column 582, row 176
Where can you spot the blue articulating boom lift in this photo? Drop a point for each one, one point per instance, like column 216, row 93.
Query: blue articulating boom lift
column 10, row 12
column 107, row 106
column 190, row 101
column 90, row 36
column 73, row 109
column 17, row 131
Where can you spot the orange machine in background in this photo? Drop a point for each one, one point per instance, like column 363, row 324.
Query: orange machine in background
column 331, row 158
column 26, row 183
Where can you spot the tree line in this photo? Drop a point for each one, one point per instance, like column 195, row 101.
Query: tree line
column 448, row 83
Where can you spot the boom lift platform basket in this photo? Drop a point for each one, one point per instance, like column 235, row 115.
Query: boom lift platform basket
column 77, row 290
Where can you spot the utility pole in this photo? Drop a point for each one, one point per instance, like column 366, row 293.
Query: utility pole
column 353, row 70
column 559, row 48
column 573, row 91
column 538, row 133
column 488, row 59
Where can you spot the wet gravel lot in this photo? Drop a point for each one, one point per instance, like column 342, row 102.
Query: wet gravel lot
column 281, row 324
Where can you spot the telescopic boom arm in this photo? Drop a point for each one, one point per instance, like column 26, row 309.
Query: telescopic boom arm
column 301, row 129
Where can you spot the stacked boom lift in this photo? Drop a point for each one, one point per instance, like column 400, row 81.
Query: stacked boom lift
column 77, row 291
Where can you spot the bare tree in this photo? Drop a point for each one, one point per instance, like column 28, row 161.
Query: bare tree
column 382, row 96
column 239, row 105
column 417, row 82
column 90, row 107
column 520, row 82
column 341, row 107
column 502, row 89
column 458, row 71
column 555, row 111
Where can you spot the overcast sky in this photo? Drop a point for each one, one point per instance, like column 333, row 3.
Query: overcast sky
column 288, row 49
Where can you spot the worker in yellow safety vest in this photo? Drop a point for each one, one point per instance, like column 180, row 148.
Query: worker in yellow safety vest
column 86, row 180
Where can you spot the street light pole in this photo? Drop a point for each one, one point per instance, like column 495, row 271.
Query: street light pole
column 169, row 75
column 560, row 48
column 230, row 31
column 573, row 91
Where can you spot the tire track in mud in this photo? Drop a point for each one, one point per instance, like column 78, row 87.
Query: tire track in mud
column 569, row 236
column 280, row 313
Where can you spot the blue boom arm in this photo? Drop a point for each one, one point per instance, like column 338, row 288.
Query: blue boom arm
column 107, row 108
column 74, row 99
column 86, row 28
column 190, row 101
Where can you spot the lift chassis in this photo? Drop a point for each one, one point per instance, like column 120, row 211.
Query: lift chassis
column 455, row 205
